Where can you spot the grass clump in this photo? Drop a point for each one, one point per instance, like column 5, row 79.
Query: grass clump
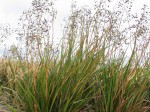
column 90, row 71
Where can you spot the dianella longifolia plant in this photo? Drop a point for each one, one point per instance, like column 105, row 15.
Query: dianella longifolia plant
column 101, row 62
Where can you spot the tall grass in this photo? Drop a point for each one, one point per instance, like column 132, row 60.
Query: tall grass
column 89, row 73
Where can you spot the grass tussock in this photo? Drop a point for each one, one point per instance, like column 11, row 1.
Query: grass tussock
column 90, row 72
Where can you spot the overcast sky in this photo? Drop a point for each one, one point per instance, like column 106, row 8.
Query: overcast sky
column 11, row 10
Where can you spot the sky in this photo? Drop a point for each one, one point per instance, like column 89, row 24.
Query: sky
column 11, row 10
